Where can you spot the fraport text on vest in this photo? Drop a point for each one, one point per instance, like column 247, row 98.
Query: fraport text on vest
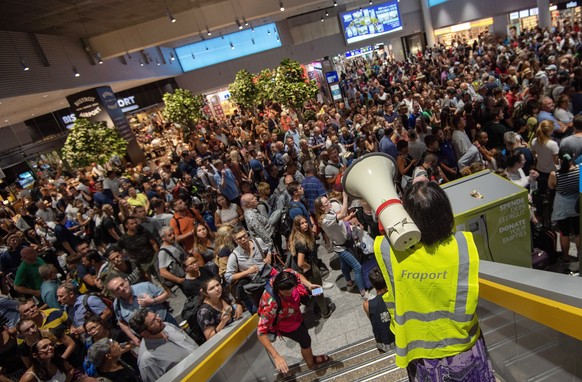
column 421, row 276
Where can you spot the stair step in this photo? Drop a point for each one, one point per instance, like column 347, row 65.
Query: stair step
column 335, row 365
column 336, row 355
column 353, row 373
column 389, row 374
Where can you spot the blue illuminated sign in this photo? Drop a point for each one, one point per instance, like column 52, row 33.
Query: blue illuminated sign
column 369, row 22
column 228, row 47
column 432, row 3
column 331, row 77
column 359, row 52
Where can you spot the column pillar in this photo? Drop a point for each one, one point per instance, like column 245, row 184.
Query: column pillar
column 544, row 17
column 428, row 29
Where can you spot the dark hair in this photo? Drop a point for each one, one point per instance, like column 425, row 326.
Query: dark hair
column 284, row 281
column 111, row 249
column 401, row 144
column 377, row 279
column 92, row 317
column 39, row 370
column 293, row 187
column 429, row 140
column 127, row 219
column 578, row 122
column 566, row 158
column 137, row 320
column 430, row 208
column 93, row 255
column 513, row 158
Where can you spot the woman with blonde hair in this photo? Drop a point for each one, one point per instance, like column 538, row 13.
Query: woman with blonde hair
column 304, row 260
column 223, row 247
column 545, row 151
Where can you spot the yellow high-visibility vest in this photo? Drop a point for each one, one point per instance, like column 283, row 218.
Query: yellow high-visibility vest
column 432, row 297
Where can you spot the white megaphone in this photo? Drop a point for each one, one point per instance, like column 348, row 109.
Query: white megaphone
column 371, row 178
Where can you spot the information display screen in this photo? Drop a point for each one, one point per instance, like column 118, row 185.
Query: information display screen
column 370, row 22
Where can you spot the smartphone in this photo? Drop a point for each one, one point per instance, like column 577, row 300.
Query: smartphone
column 317, row 291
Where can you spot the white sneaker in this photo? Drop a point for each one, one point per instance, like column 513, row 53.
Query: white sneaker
column 367, row 296
column 326, row 285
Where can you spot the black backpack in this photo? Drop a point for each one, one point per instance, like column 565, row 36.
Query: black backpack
column 190, row 313
column 285, row 225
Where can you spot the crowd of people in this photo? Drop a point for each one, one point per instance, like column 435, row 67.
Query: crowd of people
column 91, row 257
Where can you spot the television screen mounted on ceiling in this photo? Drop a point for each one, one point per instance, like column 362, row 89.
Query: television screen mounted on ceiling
column 370, row 22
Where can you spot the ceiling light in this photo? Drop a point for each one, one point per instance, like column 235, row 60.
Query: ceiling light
column 208, row 31
column 24, row 65
column 99, row 59
column 281, row 6
column 207, row 48
column 193, row 56
column 237, row 21
column 322, row 19
column 172, row 58
column 335, row 3
column 253, row 40
column 231, row 46
column 245, row 22
column 277, row 37
column 158, row 62
column 140, row 62
column 252, row 28
column 172, row 18
column 76, row 71
column 269, row 32
column 370, row 2
column 326, row 13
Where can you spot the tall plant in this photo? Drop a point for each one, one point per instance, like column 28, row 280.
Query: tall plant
column 183, row 107
column 292, row 88
column 243, row 91
column 265, row 82
column 90, row 142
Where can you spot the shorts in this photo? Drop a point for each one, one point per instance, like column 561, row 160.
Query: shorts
column 569, row 226
column 300, row 335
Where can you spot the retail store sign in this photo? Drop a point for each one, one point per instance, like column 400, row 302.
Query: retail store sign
column 514, row 15
column 572, row 4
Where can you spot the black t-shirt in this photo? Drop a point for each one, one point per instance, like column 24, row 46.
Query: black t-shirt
column 191, row 287
column 63, row 234
column 108, row 223
column 139, row 246
column 127, row 374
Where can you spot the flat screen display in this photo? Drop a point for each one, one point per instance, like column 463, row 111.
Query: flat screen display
column 370, row 22
column 26, row 179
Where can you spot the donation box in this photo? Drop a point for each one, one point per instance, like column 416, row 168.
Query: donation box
column 496, row 211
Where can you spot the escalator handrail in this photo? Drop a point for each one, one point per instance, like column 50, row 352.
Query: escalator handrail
column 551, row 299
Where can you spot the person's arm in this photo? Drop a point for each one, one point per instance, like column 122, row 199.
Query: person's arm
column 301, row 263
column 280, row 363
column 89, row 279
column 128, row 332
column 552, row 180
column 170, row 277
column 70, row 344
column 210, row 331
column 217, row 219
column 344, row 211
column 113, row 233
column 152, row 300
column 366, row 307
column 68, row 248
column 179, row 238
column 24, row 290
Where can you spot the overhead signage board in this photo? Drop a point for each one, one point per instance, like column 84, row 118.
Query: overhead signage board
column 370, row 22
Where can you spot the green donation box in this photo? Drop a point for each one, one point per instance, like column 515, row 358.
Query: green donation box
column 496, row 211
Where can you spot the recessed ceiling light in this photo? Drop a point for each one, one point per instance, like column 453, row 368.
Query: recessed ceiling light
column 44, row 96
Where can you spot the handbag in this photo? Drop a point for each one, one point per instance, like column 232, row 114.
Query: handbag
column 259, row 280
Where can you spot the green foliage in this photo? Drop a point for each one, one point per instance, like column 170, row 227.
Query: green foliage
column 309, row 115
column 265, row 82
column 90, row 142
column 243, row 90
column 292, row 88
column 183, row 107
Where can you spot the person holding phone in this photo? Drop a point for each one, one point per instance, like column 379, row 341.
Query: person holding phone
column 216, row 310
column 280, row 313
column 304, row 260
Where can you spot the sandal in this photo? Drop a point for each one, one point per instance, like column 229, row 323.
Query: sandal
column 320, row 359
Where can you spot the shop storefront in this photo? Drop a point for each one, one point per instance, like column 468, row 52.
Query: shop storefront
column 563, row 13
column 468, row 32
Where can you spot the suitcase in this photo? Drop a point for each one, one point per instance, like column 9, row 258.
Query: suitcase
column 367, row 267
column 540, row 259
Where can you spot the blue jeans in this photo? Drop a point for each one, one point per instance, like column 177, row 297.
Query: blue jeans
column 349, row 263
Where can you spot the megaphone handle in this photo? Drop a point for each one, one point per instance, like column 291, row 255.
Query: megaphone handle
column 386, row 204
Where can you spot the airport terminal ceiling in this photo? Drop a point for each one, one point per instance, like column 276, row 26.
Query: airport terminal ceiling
column 114, row 27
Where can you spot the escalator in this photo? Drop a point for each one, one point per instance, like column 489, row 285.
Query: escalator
column 531, row 321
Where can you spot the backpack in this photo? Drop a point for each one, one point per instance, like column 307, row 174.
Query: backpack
column 108, row 301
column 174, row 268
column 285, row 225
column 190, row 314
column 273, row 330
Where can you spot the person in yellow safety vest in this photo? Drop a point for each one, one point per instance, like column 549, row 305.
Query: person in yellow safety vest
column 432, row 294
